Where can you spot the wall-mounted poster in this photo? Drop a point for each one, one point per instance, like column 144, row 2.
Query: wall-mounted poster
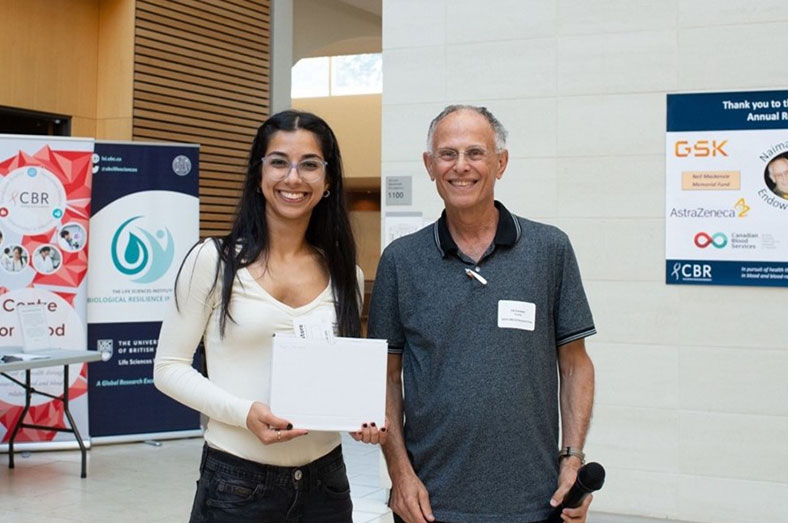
column 726, row 188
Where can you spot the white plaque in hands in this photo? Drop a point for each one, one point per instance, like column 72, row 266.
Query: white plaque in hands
column 337, row 386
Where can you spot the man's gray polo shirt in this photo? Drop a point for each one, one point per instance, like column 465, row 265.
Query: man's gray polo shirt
column 481, row 401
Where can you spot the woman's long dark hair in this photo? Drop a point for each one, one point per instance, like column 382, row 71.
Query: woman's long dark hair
column 328, row 230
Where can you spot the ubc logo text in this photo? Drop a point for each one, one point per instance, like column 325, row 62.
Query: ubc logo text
column 700, row 148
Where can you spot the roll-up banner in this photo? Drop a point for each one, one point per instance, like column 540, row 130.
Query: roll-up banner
column 44, row 223
column 726, row 215
column 145, row 219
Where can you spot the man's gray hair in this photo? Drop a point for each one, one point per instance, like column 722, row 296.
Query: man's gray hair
column 497, row 126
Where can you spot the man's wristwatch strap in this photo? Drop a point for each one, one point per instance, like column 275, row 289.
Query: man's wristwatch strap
column 571, row 451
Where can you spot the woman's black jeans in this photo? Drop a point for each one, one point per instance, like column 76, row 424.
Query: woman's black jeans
column 233, row 489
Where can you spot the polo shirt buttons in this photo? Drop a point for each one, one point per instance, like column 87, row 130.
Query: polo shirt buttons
column 477, row 268
column 297, row 475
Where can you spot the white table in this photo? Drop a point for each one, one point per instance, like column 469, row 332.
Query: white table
column 55, row 358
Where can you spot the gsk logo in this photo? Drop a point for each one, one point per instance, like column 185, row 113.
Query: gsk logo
column 137, row 252
column 699, row 148
column 718, row 240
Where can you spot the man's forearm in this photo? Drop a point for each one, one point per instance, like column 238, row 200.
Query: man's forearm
column 394, row 447
column 577, row 393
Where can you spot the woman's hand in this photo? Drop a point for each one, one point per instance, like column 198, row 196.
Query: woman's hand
column 268, row 428
column 370, row 433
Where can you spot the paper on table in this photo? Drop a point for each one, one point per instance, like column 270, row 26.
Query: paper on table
column 35, row 331
column 320, row 386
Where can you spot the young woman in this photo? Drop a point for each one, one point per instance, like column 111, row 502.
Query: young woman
column 290, row 256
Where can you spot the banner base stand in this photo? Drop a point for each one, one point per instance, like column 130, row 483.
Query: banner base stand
column 38, row 446
column 131, row 438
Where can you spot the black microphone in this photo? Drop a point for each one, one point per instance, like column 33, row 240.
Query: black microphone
column 590, row 478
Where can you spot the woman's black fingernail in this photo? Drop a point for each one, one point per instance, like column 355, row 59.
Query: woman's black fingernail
column 372, row 424
column 383, row 429
column 364, row 425
column 289, row 426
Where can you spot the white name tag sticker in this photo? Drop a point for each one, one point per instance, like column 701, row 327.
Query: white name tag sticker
column 516, row 315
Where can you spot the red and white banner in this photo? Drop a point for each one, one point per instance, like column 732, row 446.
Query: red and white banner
column 45, row 190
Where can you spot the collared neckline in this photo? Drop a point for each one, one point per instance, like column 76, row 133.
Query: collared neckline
column 507, row 232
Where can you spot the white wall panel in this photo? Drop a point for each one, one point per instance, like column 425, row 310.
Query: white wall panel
column 507, row 69
column 617, row 63
column 635, row 438
column 614, row 16
column 404, row 133
column 648, row 373
column 741, row 380
column 413, row 23
column 724, row 500
column 623, row 125
column 415, row 74
column 611, row 187
column 528, row 187
column 617, row 249
column 704, row 13
column 472, row 21
column 631, row 491
column 655, row 313
column 733, row 446
column 727, row 57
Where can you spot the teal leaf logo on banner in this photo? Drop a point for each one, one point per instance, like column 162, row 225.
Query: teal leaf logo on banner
column 138, row 252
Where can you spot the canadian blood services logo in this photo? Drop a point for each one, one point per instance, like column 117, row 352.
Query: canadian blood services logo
column 719, row 240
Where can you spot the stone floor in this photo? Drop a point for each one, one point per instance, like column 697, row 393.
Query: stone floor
column 136, row 482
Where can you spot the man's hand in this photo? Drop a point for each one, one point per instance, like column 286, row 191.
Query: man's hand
column 410, row 500
column 267, row 427
column 566, row 479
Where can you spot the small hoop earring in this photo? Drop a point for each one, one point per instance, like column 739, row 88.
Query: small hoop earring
column 325, row 194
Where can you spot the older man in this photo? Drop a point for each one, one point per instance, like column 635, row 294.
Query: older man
column 482, row 310
column 778, row 174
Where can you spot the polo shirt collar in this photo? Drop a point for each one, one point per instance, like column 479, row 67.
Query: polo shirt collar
column 506, row 234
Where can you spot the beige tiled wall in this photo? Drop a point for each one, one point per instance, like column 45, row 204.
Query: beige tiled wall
column 690, row 410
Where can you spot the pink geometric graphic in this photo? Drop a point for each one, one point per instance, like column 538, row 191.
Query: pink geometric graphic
column 74, row 171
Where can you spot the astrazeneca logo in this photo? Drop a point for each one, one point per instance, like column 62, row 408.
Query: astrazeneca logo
column 691, row 272
column 739, row 210
column 136, row 252
column 741, row 207
column 718, row 240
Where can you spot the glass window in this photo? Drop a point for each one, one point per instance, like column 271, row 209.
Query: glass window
column 337, row 75
column 356, row 74
column 310, row 78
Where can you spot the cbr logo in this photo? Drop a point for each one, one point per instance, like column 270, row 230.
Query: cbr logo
column 691, row 271
column 700, row 148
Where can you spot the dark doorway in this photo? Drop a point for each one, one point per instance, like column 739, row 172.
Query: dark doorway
column 21, row 121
